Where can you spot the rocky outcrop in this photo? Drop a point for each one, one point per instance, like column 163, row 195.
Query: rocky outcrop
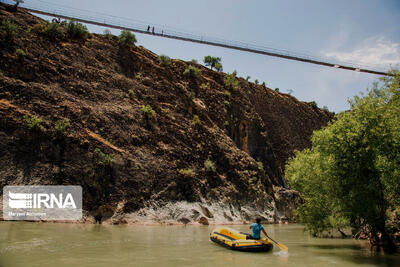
column 139, row 136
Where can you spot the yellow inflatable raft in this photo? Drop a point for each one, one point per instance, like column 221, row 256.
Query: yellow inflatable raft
column 239, row 241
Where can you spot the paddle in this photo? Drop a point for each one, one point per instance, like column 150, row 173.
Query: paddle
column 281, row 246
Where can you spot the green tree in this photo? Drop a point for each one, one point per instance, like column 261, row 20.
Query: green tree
column 351, row 177
column 212, row 61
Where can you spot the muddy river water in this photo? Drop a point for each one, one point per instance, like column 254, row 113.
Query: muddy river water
column 56, row 244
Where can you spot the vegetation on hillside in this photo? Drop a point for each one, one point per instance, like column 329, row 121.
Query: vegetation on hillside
column 351, row 176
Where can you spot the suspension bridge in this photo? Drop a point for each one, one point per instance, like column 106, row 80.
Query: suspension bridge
column 104, row 20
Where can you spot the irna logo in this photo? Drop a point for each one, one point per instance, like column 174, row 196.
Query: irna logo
column 41, row 200
column 47, row 202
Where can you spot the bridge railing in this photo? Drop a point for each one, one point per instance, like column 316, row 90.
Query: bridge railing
column 44, row 7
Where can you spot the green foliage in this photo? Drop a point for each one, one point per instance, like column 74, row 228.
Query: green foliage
column 212, row 61
column 77, row 30
column 260, row 165
column 252, row 180
column 127, row 38
column 107, row 33
column 38, row 28
column 314, row 104
column 226, row 123
column 8, row 29
column 54, row 31
column 164, row 60
column 325, row 108
column 62, row 125
column 264, row 84
column 277, row 90
column 248, row 78
column 20, row 53
column 34, row 123
column 192, row 72
column 192, row 95
column 227, row 103
column 351, row 177
column 196, row 120
column 205, row 86
column 227, row 93
column 104, row 159
column 231, row 81
column 218, row 67
column 148, row 110
column 189, row 172
column 131, row 93
column 209, row 166
column 256, row 81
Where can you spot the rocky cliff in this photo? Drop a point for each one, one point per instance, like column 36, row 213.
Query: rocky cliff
column 145, row 141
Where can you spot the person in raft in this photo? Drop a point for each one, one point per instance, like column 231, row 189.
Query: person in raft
column 257, row 228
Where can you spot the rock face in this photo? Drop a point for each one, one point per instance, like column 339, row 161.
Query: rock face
column 136, row 134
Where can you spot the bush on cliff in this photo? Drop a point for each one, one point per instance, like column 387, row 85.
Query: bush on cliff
column 127, row 38
column 351, row 177
column 8, row 30
column 77, row 30
column 54, row 31
column 192, row 72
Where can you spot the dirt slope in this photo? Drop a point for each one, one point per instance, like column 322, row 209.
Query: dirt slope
column 125, row 158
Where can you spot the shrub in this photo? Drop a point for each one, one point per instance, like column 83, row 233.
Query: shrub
column 107, row 33
column 205, row 86
column 260, row 165
column 127, row 38
column 264, row 84
column 248, row 78
column 131, row 94
column 38, row 28
column 256, row 81
column 209, row 166
column 54, row 31
column 20, row 53
column 231, row 81
column 277, row 90
column 196, row 120
column 252, row 180
column 9, row 29
column 77, row 30
column 104, row 159
column 192, row 72
column 226, row 123
column 62, row 125
column 148, row 110
column 325, row 108
column 164, row 60
column 314, row 104
column 187, row 172
column 227, row 103
column 212, row 61
column 34, row 123
column 227, row 93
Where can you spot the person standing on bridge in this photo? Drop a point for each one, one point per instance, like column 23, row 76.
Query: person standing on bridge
column 152, row 30
column 148, row 28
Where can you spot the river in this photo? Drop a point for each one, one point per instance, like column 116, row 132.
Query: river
column 55, row 244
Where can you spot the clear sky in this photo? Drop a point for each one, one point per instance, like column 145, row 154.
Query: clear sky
column 363, row 31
